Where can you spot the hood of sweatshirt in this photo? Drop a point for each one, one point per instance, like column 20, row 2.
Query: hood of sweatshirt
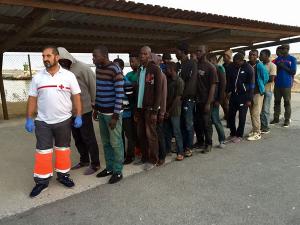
column 64, row 54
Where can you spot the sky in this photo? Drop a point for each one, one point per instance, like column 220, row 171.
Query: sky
column 262, row 10
column 267, row 10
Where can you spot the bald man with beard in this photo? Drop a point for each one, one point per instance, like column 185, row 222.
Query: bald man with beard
column 147, row 109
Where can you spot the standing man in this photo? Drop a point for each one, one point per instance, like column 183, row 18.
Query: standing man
column 175, row 87
column 166, row 58
column 50, row 93
column 241, row 85
column 129, row 126
column 207, row 79
column 261, row 79
column 110, row 94
column 161, row 114
column 286, row 69
column 219, row 96
column 227, row 58
column 188, row 74
column 84, row 137
column 148, row 103
column 265, row 113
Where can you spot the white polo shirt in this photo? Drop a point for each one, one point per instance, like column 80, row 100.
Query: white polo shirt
column 54, row 95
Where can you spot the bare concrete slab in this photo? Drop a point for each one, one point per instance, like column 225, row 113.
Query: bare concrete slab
column 16, row 164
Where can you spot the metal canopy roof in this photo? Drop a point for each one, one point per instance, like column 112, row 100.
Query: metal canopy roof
column 80, row 25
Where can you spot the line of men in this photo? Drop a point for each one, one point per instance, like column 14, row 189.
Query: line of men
column 156, row 101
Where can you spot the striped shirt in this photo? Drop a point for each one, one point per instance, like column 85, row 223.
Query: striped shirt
column 109, row 89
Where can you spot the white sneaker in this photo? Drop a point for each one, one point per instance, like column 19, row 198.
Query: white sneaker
column 221, row 145
column 256, row 136
column 250, row 134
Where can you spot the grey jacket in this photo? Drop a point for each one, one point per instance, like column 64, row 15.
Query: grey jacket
column 86, row 79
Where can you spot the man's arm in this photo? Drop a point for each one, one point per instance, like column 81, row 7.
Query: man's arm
column 31, row 106
column 91, row 80
column 213, row 80
column 157, row 87
column 290, row 70
column 77, row 104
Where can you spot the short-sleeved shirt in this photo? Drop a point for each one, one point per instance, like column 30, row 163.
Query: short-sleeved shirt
column 207, row 76
column 53, row 94
column 272, row 69
column 283, row 78
column 175, row 88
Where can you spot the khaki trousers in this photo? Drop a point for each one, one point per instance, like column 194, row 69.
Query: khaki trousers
column 255, row 110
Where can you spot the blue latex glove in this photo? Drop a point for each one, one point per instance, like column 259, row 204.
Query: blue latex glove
column 77, row 122
column 29, row 125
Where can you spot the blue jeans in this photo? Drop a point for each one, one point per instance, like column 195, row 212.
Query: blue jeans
column 172, row 127
column 215, row 117
column 187, row 123
column 265, row 112
column 112, row 143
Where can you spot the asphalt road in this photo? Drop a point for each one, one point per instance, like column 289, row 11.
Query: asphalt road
column 250, row 183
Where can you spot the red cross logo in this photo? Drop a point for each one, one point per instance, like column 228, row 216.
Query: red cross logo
column 61, row 86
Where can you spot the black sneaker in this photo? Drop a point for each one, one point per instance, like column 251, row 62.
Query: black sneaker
column 265, row 130
column 274, row 121
column 65, row 180
column 116, row 177
column 198, row 145
column 286, row 123
column 38, row 188
column 104, row 173
column 207, row 149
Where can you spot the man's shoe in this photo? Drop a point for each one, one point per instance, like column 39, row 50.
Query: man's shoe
column 222, row 145
column 104, row 173
column 265, row 130
column 128, row 161
column 207, row 149
column 250, row 134
column 286, row 123
column 274, row 121
column 237, row 140
column 149, row 166
column 198, row 145
column 188, row 153
column 80, row 165
column 65, row 180
column 91, row 169
column 256, row 136
column 38, row 188
column 160, row 162
column 116, row 177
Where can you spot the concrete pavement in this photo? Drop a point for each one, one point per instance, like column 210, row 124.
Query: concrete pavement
column 247, row 183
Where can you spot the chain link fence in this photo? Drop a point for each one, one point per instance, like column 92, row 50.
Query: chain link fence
column 17, row 71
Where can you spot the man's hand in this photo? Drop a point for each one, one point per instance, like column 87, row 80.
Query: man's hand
column 77, row 122
column 153, row 118
column 248, row 103
column 207, row 108
column 113, row 123
column 95, row 115
column 29, row 125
